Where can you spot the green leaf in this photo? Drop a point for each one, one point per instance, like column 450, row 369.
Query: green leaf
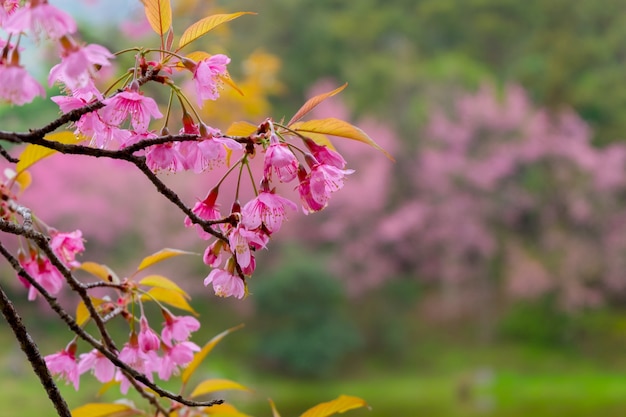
column 211, row 385
column 199, row 357
column 35, row 153
column 161, row 256
column 203, row 26
column 338, row 405
column 313, row 102
column 104, row 410
column 159, row 14
column 170, row 297
column 241, row 129
column 336, row 127
column 162, row 282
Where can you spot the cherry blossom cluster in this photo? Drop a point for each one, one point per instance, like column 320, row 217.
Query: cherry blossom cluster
column 141, row 352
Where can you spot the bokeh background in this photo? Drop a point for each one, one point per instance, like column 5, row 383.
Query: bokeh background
column 481, row 274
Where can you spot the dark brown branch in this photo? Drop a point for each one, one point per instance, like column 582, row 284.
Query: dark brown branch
column 31, row 350
column 7, row 156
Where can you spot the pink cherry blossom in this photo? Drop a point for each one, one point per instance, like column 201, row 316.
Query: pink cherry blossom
column 206, row 209
column 164, row 157
column 129, row 102
column 325, row 155
column 64, row 365
column 214, row 254
column 40, row 17
column 77, row 65
column 206, row 77
column 280, row 159
column 225, row 283
column 67, row 245
column 178, row 328
column 148, row 339
column 44, row 273
column 267, row 208
column 102, row 368
column 136, row 358
column 316, row 187
column 180, row 354
column 240, row 239
column 18, row 86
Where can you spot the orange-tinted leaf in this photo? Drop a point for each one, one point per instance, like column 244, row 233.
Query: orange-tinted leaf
column 211, row 385
column 313, row 102
column 104, row 410
column 161, row 256
column 35, row 153
column 224, row 410
column 159, row 14
column 24, row 179
column 339, row 405
column 274, row 410
column 173, row 298
column 241, row 129
column 195, row 56
column 203, row 26
column 101, row 271
column 336, row 127
column 199, row 357
column 229, row 81
column 82, row 314
column 162, row 282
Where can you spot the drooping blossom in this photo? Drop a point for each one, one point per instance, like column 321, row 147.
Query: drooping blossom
column 130, row 103
column 206, row 209
column 18, row 86
column 148, row 339
column 39, row 17
column 280, row 160
column 267, row 208
column 101, row 367
column 225, row 283
column 178, row 328
column 78, row 64
column 206, row 77
column 44, row 273
column 316, row 187
column 164, row 156
column 214, row 253
column 67, row 245
column 64, row 365
column 325, row 155
column 180, row 354
column 136, row 358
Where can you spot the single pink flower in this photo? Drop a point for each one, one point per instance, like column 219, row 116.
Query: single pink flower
column 133, row 356
column 280, row 159
column 77, row 65
column 130, row 103
column 206, row 76
column 102, row 368
column 178, row 328
column 40, row 17
column 240, row 239
column 164, row 157
column 206, row 209
column 225, row 283
column 44, row 273
column 267, row 208
column 309, row 203
column 325, row 155
column 214, row 254
column 67, row 245
column 148, row 339
column 18, row 86
column 180, row 354
column 64, row 365
column 316, row 187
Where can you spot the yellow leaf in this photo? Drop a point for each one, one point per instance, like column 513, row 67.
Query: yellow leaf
column 101, row 271
column 170, row 297
column 159, row 14
column 35, row 153
column 195, row 56
column 229, row 81
column 105, row 387
column 223, row 410
column 199, row 357
column 336, row 127
column 274, row 410
column 241, row 129
column 313, row 102
column 211, row 385
column 162, row 282
column 338, row 405
column 104, row 410
column 203, row 26
column 160, row 256
column 82, row 314
column 24, row 179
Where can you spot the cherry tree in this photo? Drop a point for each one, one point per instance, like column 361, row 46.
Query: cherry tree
column 124, row 120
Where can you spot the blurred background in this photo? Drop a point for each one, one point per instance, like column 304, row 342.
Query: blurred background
column 481, row 274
